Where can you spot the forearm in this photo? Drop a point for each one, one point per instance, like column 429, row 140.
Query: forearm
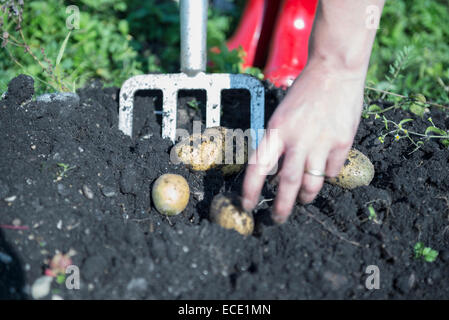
column 343, row 34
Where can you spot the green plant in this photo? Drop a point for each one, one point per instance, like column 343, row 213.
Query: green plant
column 402, row 60
column 400, row 132
column 424, row 26
column 64, row 168
column 39, row 43
column 425, row 253
column 372, row 215
column 194, row 104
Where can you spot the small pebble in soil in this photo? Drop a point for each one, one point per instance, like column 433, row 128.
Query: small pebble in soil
column 11, row 199
column 88, row 193
column 41, row 287
column 63, row 190
column 198, row 195
column 137, row 284
column 108, row 191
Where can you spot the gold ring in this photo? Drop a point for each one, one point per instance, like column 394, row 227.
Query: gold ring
column 316, row 173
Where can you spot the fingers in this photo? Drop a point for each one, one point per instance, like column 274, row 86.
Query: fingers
column 311, row 183
column 290, row 178
column 261, row 162
column 336, row 160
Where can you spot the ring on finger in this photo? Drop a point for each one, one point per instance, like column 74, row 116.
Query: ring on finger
column 314, row 172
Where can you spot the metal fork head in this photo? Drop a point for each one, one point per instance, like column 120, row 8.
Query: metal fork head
column 170, row 84
column 193, row 18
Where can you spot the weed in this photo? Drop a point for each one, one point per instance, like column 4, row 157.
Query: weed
column 372, row 215
column 403, row 59
column 425, row 253
column 194, row 104
column 60, row 278
column 63, row 171
column 399, row 131
column 100, row 48
column 423, row 26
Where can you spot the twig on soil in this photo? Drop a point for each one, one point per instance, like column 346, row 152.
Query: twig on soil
column 263, row 201
column 329, row 229
column 6, row 226
column 235, row 179
column 140, row 220
column 169, row 222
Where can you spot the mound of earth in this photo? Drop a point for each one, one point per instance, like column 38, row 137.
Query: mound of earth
column 70, row 181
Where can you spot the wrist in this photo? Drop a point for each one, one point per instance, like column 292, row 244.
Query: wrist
column 336, row 68
column 346, row 62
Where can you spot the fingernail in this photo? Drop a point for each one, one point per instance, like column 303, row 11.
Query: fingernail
column 247, row 204
column 278, row 219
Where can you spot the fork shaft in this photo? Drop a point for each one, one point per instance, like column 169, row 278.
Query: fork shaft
column 193, row 17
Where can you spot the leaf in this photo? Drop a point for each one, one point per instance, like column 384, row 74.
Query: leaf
column 385, row 122
column 404, row 121
column 445, row 142
column 62, row 49
column 372, row 213
column 431, row 256
column 418, row 248
column 417, row 109
column 374, row 108
column 60, row 279
column 419, row 97
column 435, row 130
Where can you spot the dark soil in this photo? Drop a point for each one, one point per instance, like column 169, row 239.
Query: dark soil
column 101, row 209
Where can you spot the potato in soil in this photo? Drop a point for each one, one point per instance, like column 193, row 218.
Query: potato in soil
column 170, row 194
column 209, row 150
column 227, row 211
column 357, row 171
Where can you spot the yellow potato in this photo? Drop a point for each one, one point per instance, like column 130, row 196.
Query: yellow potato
column 198, row 154
column 357, row 171
column 226, row 211
column 170, row 194
column 201, row 152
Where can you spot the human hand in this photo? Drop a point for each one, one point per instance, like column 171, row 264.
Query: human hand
column 313, row 129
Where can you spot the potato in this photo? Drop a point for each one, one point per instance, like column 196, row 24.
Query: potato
column 357, row 171
column 170, row 194
column 198, row 154
column 227, row 211
column 201, row 153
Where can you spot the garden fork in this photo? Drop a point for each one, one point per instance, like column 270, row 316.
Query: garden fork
column 193, row 16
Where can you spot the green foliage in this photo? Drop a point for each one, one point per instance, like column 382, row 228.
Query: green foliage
column 194, row 104
column 416, row 104
column 63, row 170
column 99, row 49
column 425, row 253
column 118, row 39
column 423, row 28
column 372, row 215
